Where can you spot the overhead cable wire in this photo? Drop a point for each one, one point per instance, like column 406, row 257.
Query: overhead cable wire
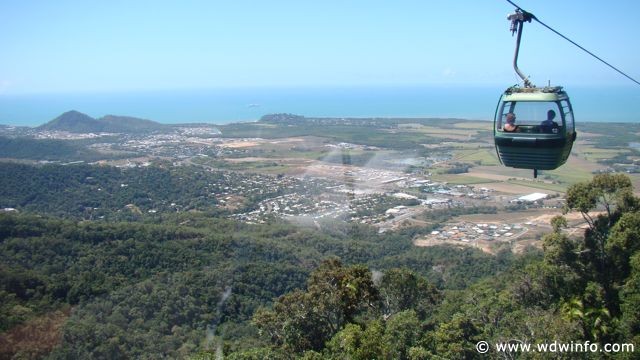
column 574, row 43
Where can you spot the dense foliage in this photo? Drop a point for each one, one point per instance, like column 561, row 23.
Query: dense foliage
column 91, row 192
column 46, row 149
column 191, row 284
column 110, row 193
column 194, row 282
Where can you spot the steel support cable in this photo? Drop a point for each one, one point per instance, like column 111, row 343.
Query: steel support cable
column 574, row 43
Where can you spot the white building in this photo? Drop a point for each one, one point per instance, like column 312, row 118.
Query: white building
column 532, row 197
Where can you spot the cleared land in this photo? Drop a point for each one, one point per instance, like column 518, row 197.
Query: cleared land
column 525, row 228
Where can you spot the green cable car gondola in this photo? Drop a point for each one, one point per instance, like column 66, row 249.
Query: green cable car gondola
column 543, row 132
column 533, row 127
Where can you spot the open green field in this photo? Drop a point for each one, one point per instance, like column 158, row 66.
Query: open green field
column 486, row 156
column 461, row 179
column 475, row 145
column 540, row 185
column 592, row 153
column 433, row 130
column 475, row 125
column 573, row 171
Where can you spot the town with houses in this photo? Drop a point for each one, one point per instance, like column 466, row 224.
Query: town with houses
column 385, row 198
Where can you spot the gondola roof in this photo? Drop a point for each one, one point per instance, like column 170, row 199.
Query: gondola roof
column 547, row 93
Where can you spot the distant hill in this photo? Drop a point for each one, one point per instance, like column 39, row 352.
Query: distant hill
column 128, row 123
column 77, row 122
column 73, row 121
column 282, row 118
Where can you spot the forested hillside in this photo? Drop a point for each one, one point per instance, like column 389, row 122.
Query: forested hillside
column 130, row 284
column 92, row 192
column 109, row 193
column 194, row 285
column 45, row 149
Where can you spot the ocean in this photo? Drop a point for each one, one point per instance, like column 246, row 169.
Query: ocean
column 220, row 106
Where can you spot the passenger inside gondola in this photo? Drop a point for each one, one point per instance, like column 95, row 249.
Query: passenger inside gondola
column 549, row 126
column 510, row 125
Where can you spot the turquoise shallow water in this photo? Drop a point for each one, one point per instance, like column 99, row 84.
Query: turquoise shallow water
column 610, row 104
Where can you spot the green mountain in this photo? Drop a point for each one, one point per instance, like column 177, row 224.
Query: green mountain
column 130, row 124
column 73, row 121
column 77, row 122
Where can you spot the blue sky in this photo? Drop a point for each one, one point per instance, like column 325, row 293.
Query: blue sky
column 73, row 46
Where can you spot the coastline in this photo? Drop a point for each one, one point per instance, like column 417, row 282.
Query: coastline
column 224, row 106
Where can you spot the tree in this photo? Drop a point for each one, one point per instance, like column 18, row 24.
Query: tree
column 355, row 343
column 595, row 321
column 401, row 334
column 305, row 320
column 607, row 245
column 401, row 289
column 630, row 303
column 352, row 287
column 558, row 222
column 606, row 190
column 457, row 339
column 623, row 242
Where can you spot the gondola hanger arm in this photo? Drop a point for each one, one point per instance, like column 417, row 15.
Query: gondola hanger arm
column 532, row 17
